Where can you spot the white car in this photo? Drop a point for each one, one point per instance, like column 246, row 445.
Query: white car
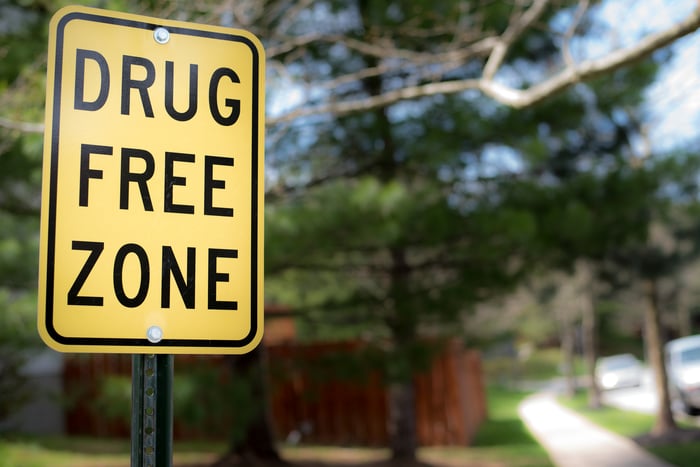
column 617, row 371
column 683, row 368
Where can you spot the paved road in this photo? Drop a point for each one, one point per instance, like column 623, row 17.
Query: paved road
column 573, row 441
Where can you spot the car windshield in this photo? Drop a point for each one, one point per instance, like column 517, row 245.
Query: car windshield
column 691, row 355
column 618, row 363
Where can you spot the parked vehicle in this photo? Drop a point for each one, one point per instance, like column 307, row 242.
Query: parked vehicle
column 617, row 371
column 683, row 368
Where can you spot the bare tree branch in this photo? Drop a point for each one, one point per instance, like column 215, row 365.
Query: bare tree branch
column 429, row 68
column 566, row 46
column 513, row 97
column 519, row 23
column 591, row 68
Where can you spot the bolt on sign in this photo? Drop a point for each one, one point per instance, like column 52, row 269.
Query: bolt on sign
column 152, row 196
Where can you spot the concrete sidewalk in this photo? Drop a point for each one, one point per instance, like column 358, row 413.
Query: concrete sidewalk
column 573, row 441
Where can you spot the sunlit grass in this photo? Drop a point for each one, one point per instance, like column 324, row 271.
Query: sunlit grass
column 35, row 454
column 501, row 440
column 622, row 422
column 90, row 452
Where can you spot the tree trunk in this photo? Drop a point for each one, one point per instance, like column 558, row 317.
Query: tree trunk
column 403, row 439
column 402, row 421
column 652, row 318
column 590, row 325
column 685, row 325
column 258, row 442
column 568, row 346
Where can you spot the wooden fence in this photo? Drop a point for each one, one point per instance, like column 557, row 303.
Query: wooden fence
column 317, row 395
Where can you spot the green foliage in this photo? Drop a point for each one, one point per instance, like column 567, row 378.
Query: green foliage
column 14, row 386
column 17, row 334
column 205, row 400
column 17, row 319
column 113, row 400
column 541, row 366
column 22, row 42
column 399, row 221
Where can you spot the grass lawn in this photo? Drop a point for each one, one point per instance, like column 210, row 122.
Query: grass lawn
column 88, row 452
column 633, row 424
column 503, row 440
column 504, row 436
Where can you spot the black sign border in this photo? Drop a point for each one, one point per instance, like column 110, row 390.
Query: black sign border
column 164, row 345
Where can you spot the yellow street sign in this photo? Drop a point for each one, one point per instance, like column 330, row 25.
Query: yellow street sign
column 152, row 196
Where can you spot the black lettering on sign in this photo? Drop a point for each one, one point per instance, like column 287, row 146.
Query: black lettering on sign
column 74, row 297
column 141, row 179
column 215, row 277
column 139, row 73
column 86, row 173
column 118, row 276
column 210, row 183
column 233, row 104
column 171, row 270
column 185, row 286
column 79, row 102
column 171, row 180
column 192, row 96
column 129, row 83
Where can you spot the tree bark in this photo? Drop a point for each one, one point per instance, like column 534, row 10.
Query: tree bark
column 568, row 345
column 685, row 325
column 590, row 351
column 402, row 421
column 403, row 439
column 259, row 440
column 664, row 422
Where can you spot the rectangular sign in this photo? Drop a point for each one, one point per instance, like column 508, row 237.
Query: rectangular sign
column 152, row 196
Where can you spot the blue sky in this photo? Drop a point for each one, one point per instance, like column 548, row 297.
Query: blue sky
column 672, row 107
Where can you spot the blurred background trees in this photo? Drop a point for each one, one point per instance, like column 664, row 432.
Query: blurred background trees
column 425, row 159
column 21, row 98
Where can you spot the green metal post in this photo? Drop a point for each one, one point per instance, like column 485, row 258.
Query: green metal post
column 137, row 410
column 152, row 411
column 164, row 409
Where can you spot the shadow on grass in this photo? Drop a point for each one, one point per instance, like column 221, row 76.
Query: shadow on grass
column 503, row 433
column 83, row 445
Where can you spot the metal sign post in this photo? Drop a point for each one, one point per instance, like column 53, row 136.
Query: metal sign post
column 152, row 411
